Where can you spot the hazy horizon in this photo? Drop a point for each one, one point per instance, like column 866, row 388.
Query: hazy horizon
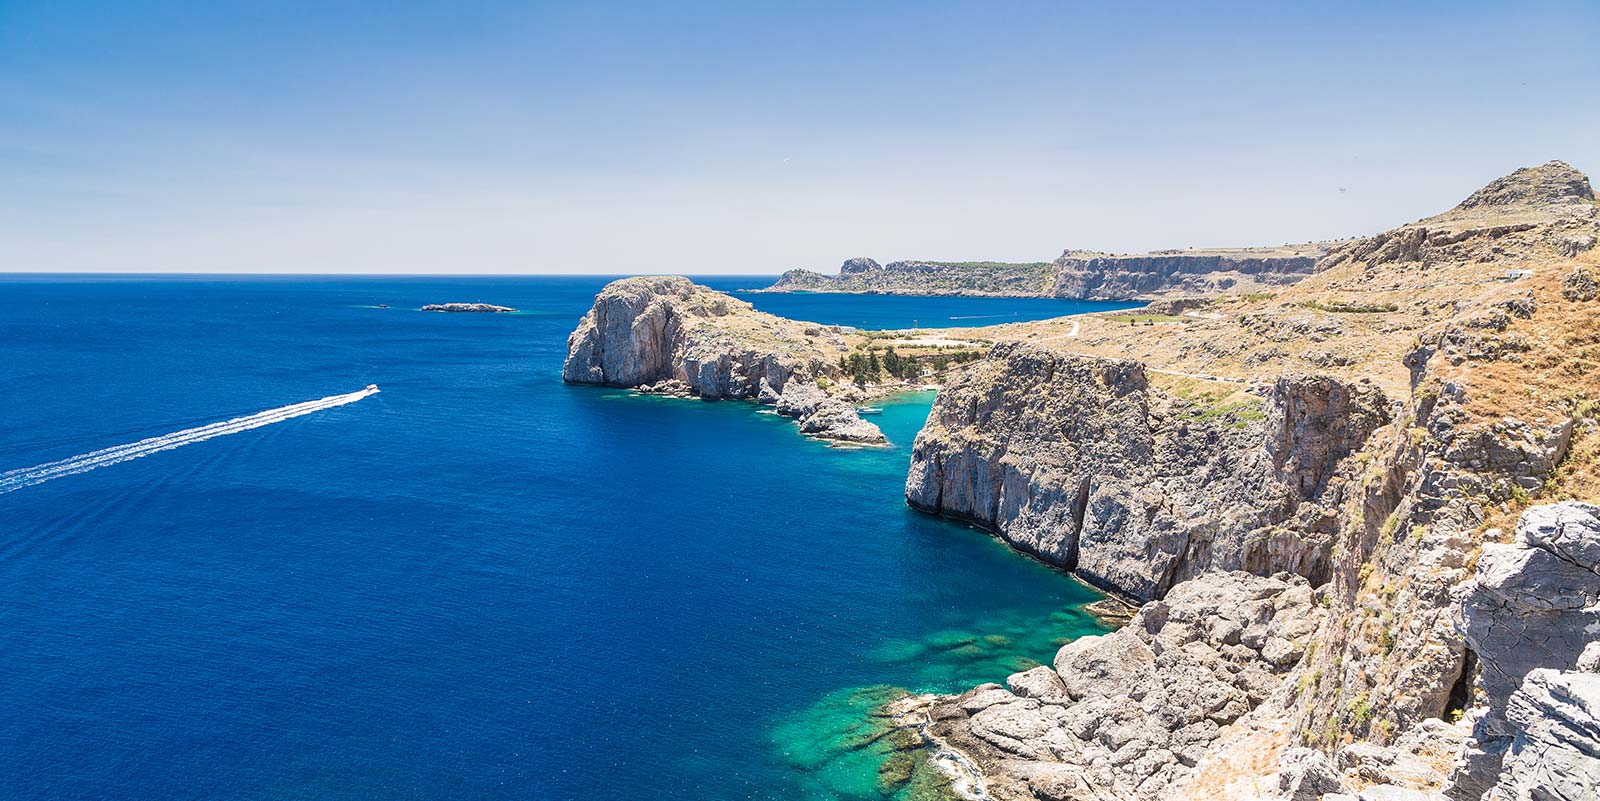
column 711, row 139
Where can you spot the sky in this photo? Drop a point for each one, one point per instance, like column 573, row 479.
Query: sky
column 750, row 137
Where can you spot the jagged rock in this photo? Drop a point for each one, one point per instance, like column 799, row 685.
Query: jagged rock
column 1554, row 182
column 1555, row 754
column 1132, row 711
column 1305, row 775
column 835, row 419
column 1534, row 603
column 825, row 416
column 666, row 335
column 1078, row 461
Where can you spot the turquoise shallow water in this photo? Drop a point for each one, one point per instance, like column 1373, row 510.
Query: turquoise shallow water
column 477, row 583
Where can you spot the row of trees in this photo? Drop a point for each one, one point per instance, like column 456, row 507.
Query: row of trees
column 868, row 368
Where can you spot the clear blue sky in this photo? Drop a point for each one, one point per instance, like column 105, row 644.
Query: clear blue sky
column 479, row 137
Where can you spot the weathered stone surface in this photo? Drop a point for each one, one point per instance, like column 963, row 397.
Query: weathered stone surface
column 667, row 335
column 1132, row 711
column 1306, row 775
column 1040, row 682
column 1534, row 603
column 1079, row 461
column 1555, row 754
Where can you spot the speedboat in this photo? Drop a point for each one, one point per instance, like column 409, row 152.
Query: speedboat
column 869, row 410
column 372, row 387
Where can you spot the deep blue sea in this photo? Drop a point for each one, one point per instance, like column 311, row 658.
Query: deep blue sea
column 477, row 583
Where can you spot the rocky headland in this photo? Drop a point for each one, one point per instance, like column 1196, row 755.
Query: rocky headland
column 489, row 308
column 1347, row 506
column 1079, row 274
column 667, row 335
column 1181, row 273
column 973, row 278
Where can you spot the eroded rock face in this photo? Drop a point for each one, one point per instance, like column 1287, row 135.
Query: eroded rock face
column 669, row 335
column 1132, row 711
column 1078, row 461
column 1533, row 604
column 1089, row 275
column 1555, row 753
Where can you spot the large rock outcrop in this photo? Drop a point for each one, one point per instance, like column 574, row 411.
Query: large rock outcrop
column 1534, row 604
column 1555, row 753
column 1130, row 713
column 666, row 331
column 1080, row 462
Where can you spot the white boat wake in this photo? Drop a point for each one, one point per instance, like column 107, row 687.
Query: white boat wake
column 30, row 476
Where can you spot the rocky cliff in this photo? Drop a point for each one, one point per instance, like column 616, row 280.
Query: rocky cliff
column 1081, row 462
column 1077, row 274
column 1180, row 273
column 924, row 278
column 666, row 334
column 1447, row 656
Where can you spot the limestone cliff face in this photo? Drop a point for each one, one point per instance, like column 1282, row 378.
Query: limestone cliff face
column 1102, row 276
column 1077, row 274
column 667, row 334
column 1440, row 638
column 1080, row 462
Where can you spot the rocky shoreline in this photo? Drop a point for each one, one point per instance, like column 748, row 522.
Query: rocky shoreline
column 1353, row 512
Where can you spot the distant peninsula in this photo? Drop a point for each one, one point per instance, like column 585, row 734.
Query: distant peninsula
column 1078, row 274
column 466, row 307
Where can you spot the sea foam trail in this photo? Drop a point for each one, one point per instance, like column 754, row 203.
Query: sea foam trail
column 30, row 476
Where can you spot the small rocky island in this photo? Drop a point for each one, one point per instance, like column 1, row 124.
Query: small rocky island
column 667, row 335
column 467, row 307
